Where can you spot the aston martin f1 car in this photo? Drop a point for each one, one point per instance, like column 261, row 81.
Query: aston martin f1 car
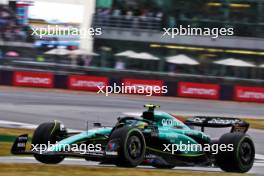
column 155, row 138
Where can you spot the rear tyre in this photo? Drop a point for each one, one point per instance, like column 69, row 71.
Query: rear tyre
column 132, row 146
column 44, row 134
column 241, row 159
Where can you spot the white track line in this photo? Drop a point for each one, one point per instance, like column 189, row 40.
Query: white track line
column 259, row 157
column 10, row 124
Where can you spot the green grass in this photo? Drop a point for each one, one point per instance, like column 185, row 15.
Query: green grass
column 256, row 123
column 5, row 148
column 47, row 170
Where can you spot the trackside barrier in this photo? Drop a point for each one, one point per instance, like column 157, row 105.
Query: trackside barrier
column 87, row 83
column 249, row 94
column 33, row 79
column 199, row 90
column 174, row 88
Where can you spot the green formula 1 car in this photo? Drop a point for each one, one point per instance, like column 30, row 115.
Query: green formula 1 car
column 156, row 138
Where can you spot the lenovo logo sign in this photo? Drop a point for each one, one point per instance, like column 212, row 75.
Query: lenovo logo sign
column 88, row 83
column 198, row 90
column 33, row 79
column 23, row 80
column 81, row 83
column 252, row 94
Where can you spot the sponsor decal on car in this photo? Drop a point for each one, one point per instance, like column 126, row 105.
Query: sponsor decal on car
column 112, row 146
column 199, row 90
column 251, row 94
column 87, row 83
column 223, row 121
column 98, row 153
column 214, row 120
column 111, row 153
column 33, row 79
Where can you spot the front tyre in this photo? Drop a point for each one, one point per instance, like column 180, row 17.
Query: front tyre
column 241, row 159
column 47, row 133
column 132, row 146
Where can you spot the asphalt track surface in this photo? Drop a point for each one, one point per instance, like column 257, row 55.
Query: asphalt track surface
column 74, row 109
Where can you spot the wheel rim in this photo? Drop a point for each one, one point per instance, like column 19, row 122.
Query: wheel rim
column 134, row 147
column 246, row 153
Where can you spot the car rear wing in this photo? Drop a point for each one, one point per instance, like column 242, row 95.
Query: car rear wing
column 237, row 125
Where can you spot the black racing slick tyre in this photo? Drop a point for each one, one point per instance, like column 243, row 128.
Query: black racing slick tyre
column 44, row 134
column 241, row 158
column 132, row 146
